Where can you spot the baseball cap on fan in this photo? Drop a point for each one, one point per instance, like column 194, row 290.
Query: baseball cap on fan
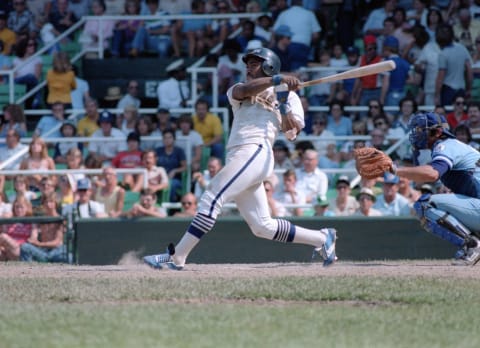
column 352, row 50
column 106, row 116
column 389, row 178
column 391, row 41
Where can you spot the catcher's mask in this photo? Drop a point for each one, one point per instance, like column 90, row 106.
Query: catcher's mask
column 420, row 125
column 271, row 63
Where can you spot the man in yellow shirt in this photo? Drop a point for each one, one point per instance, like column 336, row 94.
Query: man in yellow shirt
column 6, row 35
column 89, row 123
column 209, row 127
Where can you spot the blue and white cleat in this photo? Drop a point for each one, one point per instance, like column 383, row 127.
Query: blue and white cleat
column 327, row 250
column 161, row 261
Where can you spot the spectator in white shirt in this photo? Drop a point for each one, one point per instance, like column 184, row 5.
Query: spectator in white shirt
column 105, row 151
column 85, row 207
column 310, row 179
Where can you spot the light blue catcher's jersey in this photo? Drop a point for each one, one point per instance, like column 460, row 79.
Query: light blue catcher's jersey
column 463, row 162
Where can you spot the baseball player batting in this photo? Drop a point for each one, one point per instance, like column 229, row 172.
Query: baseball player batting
column 261, row 106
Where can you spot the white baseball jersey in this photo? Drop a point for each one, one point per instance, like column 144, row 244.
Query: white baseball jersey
column 258, row 119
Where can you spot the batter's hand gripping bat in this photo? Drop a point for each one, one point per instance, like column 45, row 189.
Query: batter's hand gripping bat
column 353, row 73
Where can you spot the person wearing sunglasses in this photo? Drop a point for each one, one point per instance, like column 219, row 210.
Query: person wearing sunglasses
column 458, row 114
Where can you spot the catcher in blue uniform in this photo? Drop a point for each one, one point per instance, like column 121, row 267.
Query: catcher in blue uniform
column 455, row 216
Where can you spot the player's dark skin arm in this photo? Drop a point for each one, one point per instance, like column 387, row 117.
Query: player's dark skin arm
column 258, row 85
column 425, row 173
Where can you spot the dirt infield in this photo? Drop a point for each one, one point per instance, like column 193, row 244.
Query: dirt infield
column 132, row 269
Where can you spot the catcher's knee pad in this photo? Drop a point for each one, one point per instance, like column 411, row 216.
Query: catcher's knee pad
column 445, row 226
column 421, row 205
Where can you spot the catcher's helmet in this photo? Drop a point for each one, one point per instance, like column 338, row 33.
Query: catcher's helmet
column 271, row 63
column 420, row 124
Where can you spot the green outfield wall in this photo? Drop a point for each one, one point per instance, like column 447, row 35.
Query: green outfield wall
column 106, row 241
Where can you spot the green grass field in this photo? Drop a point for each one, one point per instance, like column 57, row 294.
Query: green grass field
column 68, row 306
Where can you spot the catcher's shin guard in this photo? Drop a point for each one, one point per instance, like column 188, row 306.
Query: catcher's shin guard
column 442, row 224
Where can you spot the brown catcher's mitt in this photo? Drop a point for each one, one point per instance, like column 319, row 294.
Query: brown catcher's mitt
column 372, row 163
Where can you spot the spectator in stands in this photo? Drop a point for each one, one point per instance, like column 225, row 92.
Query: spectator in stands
column 90, row 34
column 21, row 189
column 37, row 159
column 110, row 194
column 163, row 121
column 7, row 36
column 321, row 208
column 346, row 150
column 275, row 207
column 81, row 93
column 299, row 150
column 310, row 179
column 189, row 206
column 75, row 161
column 131, row 97
column 61, row 17
column 192, row 138
column 306, row 32
column 202, row 179
column 319, row 123
column 426, row 70
column 66, row 193
column 174, row 92
column 330, row 160
column 455, row 74
column 125, row 30
column 230, row 67
column 281, row 155
column 152, row 36
column 67, row 130
column 21, row 20
column 210, row 128
column 375, row 108
column 405, row 188
column 146, row 206
column 5, row 207
column 337, row 122
column 466, row 30
column 198, row 32
column 27, row 74
column 378, row 139
column 408, row 107
column 248, row 34
column 394, row 89
column 365, row 200
column 157, row 177
column 84, row 207
column 144, row 128
column 131, row 158
column 344, row 204
column 307, row 116
column 223, row 27
column 89, row 123
column 353, row 54
column 322, row 93
column 14, row 235
column 290, row 193
column 47, row 187
column 13, row 119
column 458, row 114
column 13, row 146
column 127, row 121
column 60, row 80
column 368, row 87
column 173, row 159
column 374, row 23
column 49, row 122
column 473, row 122
column 283, row 38
column 463, row 134
column 45, row 243
column 391, row 203
column 434, row 19
column 107, row 150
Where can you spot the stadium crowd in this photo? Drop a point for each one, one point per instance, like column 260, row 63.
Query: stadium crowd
column 434, row 43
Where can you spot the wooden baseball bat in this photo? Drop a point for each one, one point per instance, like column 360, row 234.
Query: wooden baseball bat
column 353, row 73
